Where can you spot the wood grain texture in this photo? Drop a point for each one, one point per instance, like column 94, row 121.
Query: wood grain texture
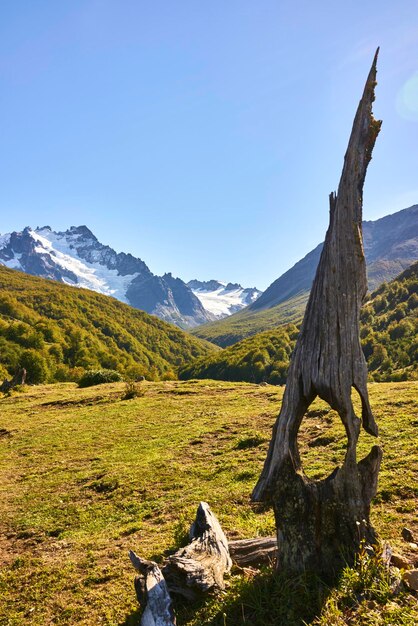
column 320, row 524
column 152, row 592
column 201, row 565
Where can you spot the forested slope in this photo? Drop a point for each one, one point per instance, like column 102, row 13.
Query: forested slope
column 57, row 332
column 389, row 336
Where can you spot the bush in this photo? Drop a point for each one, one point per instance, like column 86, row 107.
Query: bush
column 4, row 374
column 132, row 390
column 35, row 365
column 99, row 377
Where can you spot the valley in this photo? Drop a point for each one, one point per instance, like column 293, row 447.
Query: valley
column 390, row 246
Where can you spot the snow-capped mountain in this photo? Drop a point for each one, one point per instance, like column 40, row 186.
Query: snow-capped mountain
column 223, row 299
column 77, row 258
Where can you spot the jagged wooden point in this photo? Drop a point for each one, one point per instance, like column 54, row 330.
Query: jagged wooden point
column 320, row 524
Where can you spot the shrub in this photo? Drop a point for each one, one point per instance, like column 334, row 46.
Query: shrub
column 35, row 365
column 133, row 390
column 99, row 377
column 3, row 373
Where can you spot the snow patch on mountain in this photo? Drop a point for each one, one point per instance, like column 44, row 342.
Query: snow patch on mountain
column 14, row 263
column 4, row 240
column 223, row 299
column 76, row 257
column 94, row 276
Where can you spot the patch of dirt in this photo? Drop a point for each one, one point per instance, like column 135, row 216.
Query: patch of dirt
column 91, row 401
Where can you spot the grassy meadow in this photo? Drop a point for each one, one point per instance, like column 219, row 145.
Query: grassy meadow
column 86, row 475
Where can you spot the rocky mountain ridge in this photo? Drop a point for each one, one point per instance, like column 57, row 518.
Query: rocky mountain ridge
column 76, row 257
column 390, row 246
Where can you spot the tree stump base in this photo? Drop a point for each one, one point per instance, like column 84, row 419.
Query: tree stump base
column 321, row 525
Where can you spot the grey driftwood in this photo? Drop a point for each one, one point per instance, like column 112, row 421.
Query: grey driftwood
column 152, row 592
column 320, row 524
column 197, row 568
column 253, row 552
column 201, row 565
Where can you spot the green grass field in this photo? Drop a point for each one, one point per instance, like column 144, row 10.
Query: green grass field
column 86, row 475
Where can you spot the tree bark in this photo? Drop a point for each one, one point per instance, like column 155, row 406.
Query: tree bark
column 152, row 592
column 320, row 524
column 201, row 565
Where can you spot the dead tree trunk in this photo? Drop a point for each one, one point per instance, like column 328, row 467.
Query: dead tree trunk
column 320, row 524
column 18, row 379
column 201, row 565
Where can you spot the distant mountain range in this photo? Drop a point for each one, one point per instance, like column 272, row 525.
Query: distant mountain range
column 389, row 331
column 76, row 257
column 223, row 299
column 390, row 246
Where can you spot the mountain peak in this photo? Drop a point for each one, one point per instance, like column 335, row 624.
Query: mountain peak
column 232, row 286
column 223, row 299
column 76, row 257
column 83, row 231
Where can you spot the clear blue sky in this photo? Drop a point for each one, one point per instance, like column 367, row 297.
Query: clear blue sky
column 202, row 136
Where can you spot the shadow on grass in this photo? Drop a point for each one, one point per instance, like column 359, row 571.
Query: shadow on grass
column 265, row 599
column 132, row 620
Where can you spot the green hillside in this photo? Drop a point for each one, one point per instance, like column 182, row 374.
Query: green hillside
column 389, row 335
column 390, row 246
column 57, row 332
column 263, row 357
column 389, row 332
column 247, row 322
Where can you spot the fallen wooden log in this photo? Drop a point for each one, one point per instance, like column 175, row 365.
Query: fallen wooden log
column 197, row 568
column 253, row 552
column 18, row 379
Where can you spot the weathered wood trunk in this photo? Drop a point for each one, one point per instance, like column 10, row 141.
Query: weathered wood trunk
column 201, row 565
column 152, row 592
column 18, row 379
column 253, row 552
column 320, row 524
column 195, row 569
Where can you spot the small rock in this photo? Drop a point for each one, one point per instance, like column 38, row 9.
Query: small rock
column 411, row 579
column 413, row 546
column 399, row 561
column 387, row 554
column 369, row 550
column 407, row 535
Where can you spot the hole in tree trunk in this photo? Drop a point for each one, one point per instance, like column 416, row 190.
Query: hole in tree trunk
column 322, row 441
